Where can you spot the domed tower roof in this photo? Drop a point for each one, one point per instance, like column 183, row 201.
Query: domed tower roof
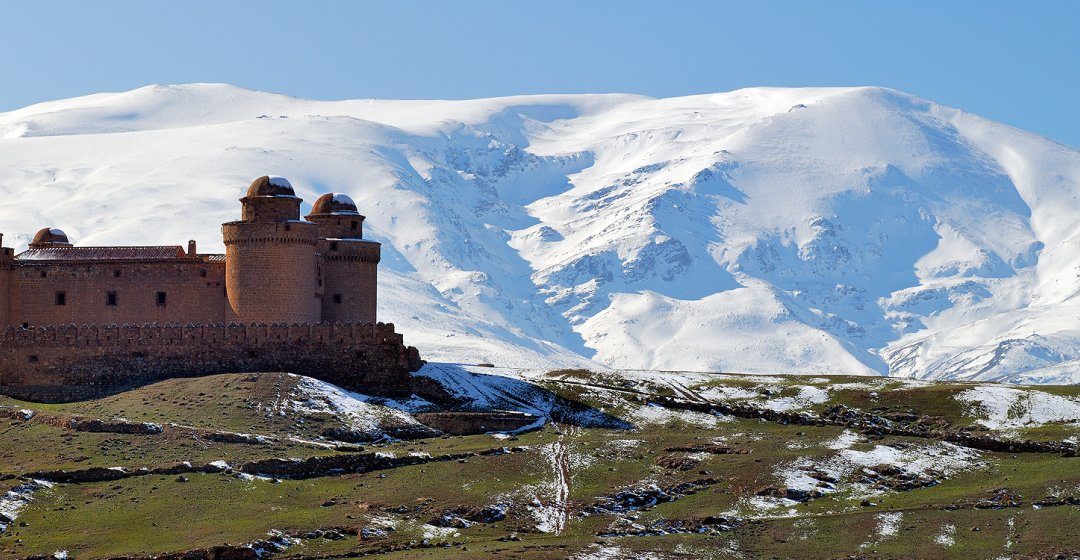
column 334, row 204
column 270, row 186
column 50, row 237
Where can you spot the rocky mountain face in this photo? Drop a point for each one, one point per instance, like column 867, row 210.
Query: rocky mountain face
column 832, row 231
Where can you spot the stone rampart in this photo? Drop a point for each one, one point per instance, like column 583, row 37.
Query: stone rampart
column 68, row 362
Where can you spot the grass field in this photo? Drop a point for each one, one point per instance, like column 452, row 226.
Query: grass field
column 669, row 484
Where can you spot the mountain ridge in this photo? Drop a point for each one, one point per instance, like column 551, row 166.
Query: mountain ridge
column 766, row 230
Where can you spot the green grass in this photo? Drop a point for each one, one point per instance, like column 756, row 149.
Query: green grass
column 159, row 514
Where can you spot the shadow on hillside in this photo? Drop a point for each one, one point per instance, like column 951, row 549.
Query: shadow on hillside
column 456, row 388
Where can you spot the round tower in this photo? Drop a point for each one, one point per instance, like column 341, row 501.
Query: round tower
column 50, row 237
column 7, row 259
column 270, row 261
column 350, row 262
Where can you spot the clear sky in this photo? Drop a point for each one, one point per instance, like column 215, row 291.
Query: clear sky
column 1016, row 62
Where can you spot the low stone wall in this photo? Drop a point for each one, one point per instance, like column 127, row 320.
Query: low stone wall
column 469, row 423
column 69, row 362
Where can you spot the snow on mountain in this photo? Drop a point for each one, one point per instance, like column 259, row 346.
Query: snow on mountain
column 824, row 230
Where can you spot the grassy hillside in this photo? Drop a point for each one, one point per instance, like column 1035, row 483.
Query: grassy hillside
column 632, row 465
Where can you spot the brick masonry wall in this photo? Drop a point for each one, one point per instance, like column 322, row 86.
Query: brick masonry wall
column 350, row 273
column 67, row 363
column 272, row 272
column 195, row 292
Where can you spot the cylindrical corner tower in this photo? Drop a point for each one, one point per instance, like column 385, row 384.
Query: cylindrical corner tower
column 270, row 259
column 7, row 259
column 350, row 263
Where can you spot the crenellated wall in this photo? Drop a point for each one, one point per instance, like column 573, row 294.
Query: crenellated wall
column 69, row 362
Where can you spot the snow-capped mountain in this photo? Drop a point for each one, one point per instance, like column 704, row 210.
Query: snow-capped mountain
column 833, row 230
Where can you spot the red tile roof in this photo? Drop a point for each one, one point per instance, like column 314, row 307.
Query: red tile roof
column 155, row 253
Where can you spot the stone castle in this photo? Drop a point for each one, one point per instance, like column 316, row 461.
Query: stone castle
column 289, row 294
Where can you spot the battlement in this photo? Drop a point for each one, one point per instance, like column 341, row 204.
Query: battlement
column 153, row 334
column 58, row 363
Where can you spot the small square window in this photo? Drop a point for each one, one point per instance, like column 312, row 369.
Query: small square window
column 61, row 298
column 111, row 299
column 32, row 359
column 355, row 224
column 161, row 298
column 202, row 273
column 288, row 227
column 44, row 274
column 337, row 298
column 333, row 246
column 116, row 273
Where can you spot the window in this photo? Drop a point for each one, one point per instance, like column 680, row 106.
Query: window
column 355, row 224
column 116, row 273
column 25, row 326
column 288, row 227
column 32, row 359
column 337, row 298
column 333, row 246
column 110, row 299
column 202, row 273
column 161, row 297
column 61, row 298
column 44, row 274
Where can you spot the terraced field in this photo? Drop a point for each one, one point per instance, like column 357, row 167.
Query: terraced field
column 615, row 465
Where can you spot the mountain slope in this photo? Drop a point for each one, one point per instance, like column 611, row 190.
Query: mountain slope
column 825, row 230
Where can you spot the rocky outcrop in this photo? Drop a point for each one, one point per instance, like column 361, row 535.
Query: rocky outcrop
column 877, row 425
column 114, row 426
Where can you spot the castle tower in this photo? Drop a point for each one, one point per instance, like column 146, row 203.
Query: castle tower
column 349, row 262
column 7, row 259
column 49, row 237
column 270, row 260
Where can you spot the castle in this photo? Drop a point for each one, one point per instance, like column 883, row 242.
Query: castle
column 289, row 294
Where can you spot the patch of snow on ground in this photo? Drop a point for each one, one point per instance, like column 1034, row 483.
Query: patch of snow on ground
column 442, row 533
column 13, row 501
column 947, row 537
column 354, row 409
column 888, row 525
column 652, row 414
column 808, row 396
column 941, row 459
column 844, row 440
column 603, row 552
column 1005, row 408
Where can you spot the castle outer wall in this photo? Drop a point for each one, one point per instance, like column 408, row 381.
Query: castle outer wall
column 68, row 363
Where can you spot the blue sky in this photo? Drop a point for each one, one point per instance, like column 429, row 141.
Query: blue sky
column 1016, row 62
